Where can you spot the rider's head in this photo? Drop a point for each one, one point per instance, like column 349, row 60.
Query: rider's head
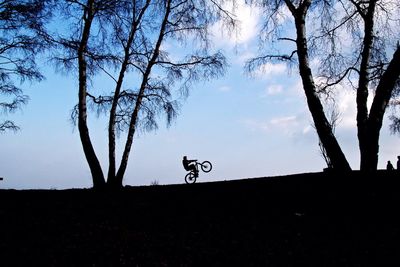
column 184, row 157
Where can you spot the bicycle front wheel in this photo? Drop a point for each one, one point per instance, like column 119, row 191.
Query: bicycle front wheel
column 190, row 178
column 206, row 166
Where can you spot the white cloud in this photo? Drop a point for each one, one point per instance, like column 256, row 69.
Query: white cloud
column 307, row 129
column 248, row 22
column 248, row 19
column 346, row 102
column 243, row 56
column 284, row 15
column 274, row 89
column 270, row 69
column 287, row 125
column 284, row 121
column 298, row 88
column 274, row 69
column 224, row 88
column 255, row 125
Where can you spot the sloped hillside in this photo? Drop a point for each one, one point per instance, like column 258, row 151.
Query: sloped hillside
column 312, row 219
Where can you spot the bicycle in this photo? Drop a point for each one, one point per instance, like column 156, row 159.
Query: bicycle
column 191, row 177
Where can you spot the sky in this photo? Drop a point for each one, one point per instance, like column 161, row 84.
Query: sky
column 247, row 126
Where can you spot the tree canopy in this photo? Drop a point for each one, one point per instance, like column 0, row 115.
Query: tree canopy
column 129, row 38
column 20, row 25
column 351, row 43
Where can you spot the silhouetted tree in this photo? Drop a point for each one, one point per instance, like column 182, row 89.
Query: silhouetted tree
column 375, row 67
column 117, row 38
column 20, row 25
column 299, row 11
column 351, row 40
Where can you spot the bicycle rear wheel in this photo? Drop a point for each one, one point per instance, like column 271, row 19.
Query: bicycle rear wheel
column 206, row 166
column 190, row 178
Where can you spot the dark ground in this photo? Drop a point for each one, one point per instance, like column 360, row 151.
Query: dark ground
column 315, row 219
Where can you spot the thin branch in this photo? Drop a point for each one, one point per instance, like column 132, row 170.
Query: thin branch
column 107, row 73
column 287, row 39
column 340, row 78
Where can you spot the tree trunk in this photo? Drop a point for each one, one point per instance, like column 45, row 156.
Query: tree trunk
column 94, row 164
column 322, row 125
column 111, row 123
column 362, row 91
column 135, row 115
column 111, row 180
column 383, row 94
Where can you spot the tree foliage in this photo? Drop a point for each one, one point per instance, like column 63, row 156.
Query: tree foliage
column 127, row 41
column 353, row 43
column 20, row 25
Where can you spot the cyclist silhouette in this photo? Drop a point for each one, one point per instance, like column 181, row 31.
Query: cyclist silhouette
column 190, row 165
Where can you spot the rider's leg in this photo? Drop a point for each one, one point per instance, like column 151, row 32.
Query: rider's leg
column 194, row 169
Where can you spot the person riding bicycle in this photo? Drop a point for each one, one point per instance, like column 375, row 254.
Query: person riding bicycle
column 190, row 165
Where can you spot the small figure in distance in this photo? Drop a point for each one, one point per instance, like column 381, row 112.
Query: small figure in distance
column 398, row 163
column 190, row 165
column 389, row 166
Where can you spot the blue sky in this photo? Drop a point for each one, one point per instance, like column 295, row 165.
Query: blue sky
column 246, row 126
